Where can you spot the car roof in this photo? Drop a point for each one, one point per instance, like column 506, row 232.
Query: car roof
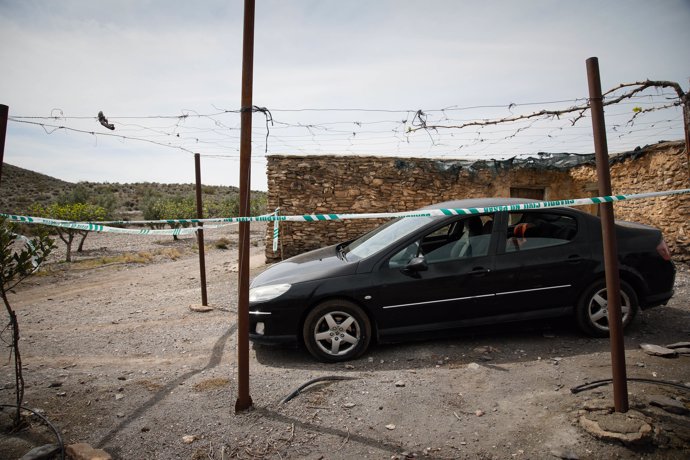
column 478, row 203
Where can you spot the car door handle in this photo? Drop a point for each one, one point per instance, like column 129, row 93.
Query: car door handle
column 479, row 271
column 575, row 258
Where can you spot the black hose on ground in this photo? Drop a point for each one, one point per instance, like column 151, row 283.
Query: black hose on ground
column 61, row 443
column 313, row 381
column 601, row 383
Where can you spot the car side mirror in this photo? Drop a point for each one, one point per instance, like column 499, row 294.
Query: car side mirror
column 417, row 264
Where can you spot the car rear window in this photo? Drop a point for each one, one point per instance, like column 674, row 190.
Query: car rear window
column 539, row 230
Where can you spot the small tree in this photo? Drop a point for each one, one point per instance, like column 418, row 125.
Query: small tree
column 82, row 194
column 80, row 212
column 170, row 209
column 15, row 266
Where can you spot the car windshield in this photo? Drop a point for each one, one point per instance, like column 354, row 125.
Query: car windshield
column 385, row 235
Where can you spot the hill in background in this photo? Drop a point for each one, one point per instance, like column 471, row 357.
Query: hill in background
column 20, row 188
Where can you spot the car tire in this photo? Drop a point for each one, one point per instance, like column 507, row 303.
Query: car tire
column 336, row 330
column 592, row 308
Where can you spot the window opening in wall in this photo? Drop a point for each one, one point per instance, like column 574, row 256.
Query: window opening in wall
column 534, row 193
column 592, row 189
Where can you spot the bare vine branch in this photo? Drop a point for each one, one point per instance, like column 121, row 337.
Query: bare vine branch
column 639, row 111
column 643, row 85
column 579, row 110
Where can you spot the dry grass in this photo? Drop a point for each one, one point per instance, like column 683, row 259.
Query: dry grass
column 141, row 257
column 150, row 385
column 211, row 384
column 169, row 253
column 129, row 258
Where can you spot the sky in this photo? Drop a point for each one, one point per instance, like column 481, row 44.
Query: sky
column 336, row 77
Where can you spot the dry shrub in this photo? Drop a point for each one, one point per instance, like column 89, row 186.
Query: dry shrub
column 223, row 243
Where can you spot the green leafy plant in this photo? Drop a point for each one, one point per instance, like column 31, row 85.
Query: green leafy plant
column 17, row 262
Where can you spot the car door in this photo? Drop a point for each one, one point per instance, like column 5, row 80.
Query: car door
column 541, row 255
column 455, row 257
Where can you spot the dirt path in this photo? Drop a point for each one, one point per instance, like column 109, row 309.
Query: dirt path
column 115, row 358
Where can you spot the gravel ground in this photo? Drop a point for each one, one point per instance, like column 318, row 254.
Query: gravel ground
column 114, row 357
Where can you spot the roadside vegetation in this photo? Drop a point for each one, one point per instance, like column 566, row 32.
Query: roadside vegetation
column 169, row 208
column 24, row 192
column 21, row 188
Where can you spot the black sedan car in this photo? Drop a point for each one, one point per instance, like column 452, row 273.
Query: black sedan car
column 419, row 275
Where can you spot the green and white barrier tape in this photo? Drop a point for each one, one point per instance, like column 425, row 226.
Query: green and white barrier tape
column 275, row 231
column 488, row 209
column 93, row 227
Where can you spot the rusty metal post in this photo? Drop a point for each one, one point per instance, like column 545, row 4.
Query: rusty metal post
column 4, row 113
column 244, row 400
column 686, row 126
column 200, row 231
column 596, row 103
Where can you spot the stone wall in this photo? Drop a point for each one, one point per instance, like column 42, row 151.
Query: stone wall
column 660, row 167
column 356, row 184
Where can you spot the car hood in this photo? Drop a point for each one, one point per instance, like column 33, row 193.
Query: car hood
column 318, row 264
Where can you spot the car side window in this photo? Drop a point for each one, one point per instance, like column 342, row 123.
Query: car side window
column 461, row 239
column 403, row 257
column 539, row 230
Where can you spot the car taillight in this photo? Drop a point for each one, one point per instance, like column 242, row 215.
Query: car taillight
column 663, row 250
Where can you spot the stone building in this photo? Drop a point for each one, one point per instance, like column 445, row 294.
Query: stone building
column 367, row 184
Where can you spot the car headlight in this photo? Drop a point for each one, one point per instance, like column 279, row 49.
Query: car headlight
column 269, row 292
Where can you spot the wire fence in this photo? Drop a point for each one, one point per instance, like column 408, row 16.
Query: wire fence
column 496, row 131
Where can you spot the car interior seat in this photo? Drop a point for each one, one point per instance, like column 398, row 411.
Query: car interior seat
column 462, row 247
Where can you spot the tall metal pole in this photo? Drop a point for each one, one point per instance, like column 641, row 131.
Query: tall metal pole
column 686, row 126
column 200, row 231
column 4, row 113
column 596, row 103
column 244, row 400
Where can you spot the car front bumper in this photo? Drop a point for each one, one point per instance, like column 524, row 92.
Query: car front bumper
column 273, row 339
column 272, row 328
